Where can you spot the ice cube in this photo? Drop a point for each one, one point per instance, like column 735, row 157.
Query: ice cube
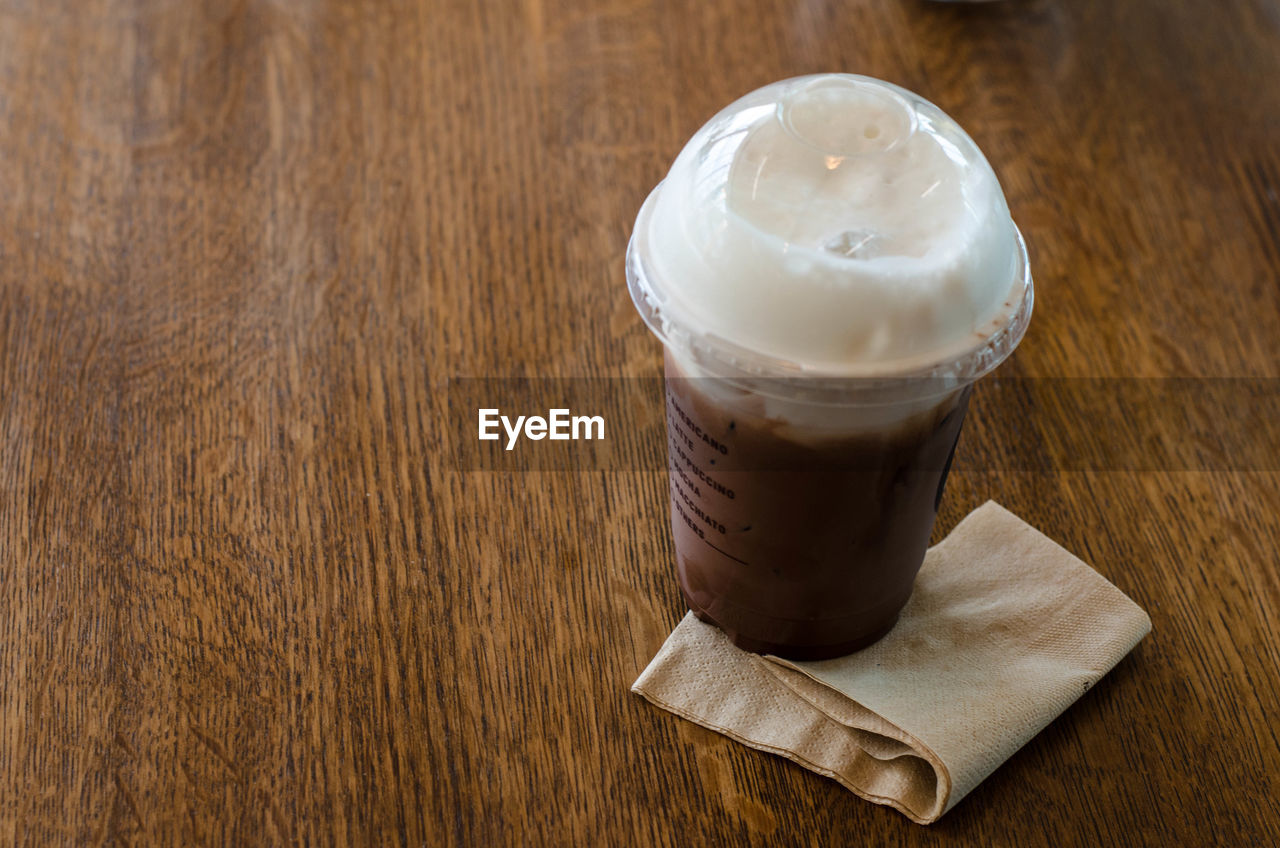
column 855, row 244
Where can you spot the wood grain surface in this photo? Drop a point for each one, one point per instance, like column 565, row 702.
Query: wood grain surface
column 246, row 597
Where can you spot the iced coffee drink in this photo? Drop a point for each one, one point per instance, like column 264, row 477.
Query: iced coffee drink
column 830, row 264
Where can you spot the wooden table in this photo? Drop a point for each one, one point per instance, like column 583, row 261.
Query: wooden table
column 248, row 597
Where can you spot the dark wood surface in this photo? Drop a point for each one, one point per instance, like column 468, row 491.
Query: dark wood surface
column 246, row 596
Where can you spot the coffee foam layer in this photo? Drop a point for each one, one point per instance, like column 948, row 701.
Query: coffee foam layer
column 830, row 221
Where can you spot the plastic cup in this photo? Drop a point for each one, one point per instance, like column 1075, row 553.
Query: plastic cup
column 830, row 264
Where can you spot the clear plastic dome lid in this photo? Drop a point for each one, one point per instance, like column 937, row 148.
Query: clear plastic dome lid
column 833, row 224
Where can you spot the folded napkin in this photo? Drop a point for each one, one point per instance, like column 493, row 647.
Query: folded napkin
column 1004, row 631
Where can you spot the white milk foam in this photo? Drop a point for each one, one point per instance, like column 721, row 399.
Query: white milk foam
column 832, row 221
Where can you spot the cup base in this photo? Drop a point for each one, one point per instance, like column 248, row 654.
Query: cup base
column 794, row 651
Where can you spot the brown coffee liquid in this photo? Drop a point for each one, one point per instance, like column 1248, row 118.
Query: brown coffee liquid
column 806, row 550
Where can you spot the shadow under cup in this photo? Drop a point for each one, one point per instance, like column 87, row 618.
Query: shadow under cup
column 800, row 523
